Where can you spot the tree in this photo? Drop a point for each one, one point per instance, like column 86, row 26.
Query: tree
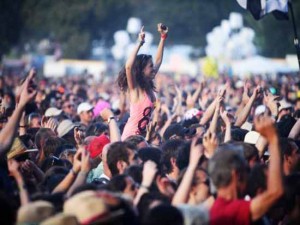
column 10, row 24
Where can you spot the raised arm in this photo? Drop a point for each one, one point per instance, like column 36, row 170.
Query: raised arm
column 26, row 94
column 182, row 193
column 130, row 61
column 114, row 131
column 243, row 115
column 294, row 133
column 264, row 201
column 13, row 168
column 163, row 30
column 82, row 175
column 66, row 183
column 225, row 118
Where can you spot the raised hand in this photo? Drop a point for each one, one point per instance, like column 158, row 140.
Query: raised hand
column 78, row 136
column 149, row 171
column 224, row 116
column 150, row 128
column 196, row 152
column 51, row 123
column 77, row 160
column 271, row 102
column 210, row 142
column 27, row 91
column 106, row 114
column 142, row 36
column 265, row 126
column 85, row 161
column 162, row 29
column 13, row 167
column 245, row 97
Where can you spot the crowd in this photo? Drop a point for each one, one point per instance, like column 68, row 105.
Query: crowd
column 146, row 148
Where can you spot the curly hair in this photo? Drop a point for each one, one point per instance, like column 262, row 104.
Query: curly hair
column 139, row 65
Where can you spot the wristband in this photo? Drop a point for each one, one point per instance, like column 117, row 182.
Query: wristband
column 22, row 126
column 83, row 173
column 141, row 42
column 110, row 118
column 73, row 172
column 164, row 36
column 145, row 187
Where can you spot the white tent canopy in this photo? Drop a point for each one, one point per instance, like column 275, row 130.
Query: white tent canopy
column 259, row 65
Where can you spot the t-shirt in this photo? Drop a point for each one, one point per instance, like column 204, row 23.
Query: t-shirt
column 140, row 115
column 194, row 215
column 230, row 212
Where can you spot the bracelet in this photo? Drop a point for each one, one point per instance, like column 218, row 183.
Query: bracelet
column 73, row 172
column 83, row 173
column 22, row 126
column 22, row 187
column 164, row 36
column 110, row 118
column 141, row 43
column 144, row 186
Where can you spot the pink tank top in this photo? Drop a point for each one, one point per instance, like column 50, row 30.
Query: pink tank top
column 140, row 115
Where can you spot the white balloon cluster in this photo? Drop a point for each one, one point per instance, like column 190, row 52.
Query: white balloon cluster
column 231, row 40
column 125, row 39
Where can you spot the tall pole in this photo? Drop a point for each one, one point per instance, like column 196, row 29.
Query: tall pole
column 296, row 40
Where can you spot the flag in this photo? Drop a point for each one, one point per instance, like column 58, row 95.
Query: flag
column 259, row 8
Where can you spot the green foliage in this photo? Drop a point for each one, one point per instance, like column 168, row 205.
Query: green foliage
column 76, row 23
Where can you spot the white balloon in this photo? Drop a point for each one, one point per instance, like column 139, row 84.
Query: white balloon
column 148, row 38
column 134, row 25
column 225, row 26
column 235, row 20
column 118, row 52
column 121, row 38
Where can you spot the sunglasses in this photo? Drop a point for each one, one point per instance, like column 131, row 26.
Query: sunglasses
column 69, row 106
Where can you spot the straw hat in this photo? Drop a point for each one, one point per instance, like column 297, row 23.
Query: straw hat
column 61, row 219
column 18, row 148
column 34, row 212
column 88, row 207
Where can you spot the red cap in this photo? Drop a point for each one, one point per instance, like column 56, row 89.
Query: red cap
column 95, row 147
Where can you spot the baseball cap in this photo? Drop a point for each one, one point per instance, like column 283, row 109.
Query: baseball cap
column 52, row 111
column 64, row 127
column 83, row 107
column 284, row 105
column 251, row 137
column 101, row 105
column 95, row 147
column 260, row 110
column 178, row 130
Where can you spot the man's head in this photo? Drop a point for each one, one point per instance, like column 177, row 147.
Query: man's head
column 120, row 155
column 137, row 140
column 290, row 154
column 177, row 131
column 228, row 166
column 69, row 108
column 85, row 112
column 285, row 108
column 170, row 150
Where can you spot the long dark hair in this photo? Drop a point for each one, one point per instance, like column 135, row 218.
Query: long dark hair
column 137, row 70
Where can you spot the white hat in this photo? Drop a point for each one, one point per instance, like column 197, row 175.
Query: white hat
column 284, row 105
column 251, row 137
column 247, row 126
column 83, row 107
column 61, row 219
column 35, row 212
column 191, row 113
column 52, row 111
column 260, row 110
column 64, row 127
column 89, row 207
